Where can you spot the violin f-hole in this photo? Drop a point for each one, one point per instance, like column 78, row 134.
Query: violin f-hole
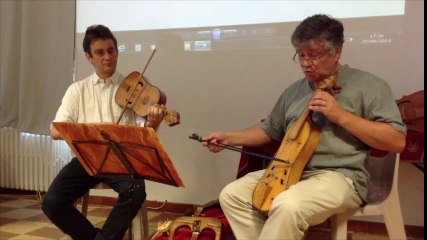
column 128, row 89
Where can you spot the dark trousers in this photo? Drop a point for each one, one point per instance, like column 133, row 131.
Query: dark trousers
column 71, row 183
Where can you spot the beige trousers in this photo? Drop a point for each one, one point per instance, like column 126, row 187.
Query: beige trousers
column 317, row 196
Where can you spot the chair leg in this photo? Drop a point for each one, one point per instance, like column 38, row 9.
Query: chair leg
column 393, row 218
column 85, row 203
column 144, row 218
column 141, row 219
column 136, row 227
column 339, row 227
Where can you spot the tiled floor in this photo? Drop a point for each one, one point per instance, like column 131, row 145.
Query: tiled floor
column 21, row 218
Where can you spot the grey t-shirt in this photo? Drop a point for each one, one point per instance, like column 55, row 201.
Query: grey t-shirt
column 362, row 94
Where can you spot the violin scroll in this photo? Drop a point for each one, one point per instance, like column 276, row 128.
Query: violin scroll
column 172, row 118
column 330, row 85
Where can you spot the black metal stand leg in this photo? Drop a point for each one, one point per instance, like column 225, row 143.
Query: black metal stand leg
column 131, row 191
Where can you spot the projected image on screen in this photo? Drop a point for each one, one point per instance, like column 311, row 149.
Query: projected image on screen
column 226, row 25
column 150, row 15
column 223, row 47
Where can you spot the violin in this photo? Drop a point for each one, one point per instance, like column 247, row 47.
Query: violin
column 296, row 148
column 138, row 94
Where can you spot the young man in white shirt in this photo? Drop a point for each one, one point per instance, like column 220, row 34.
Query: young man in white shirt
column 92, row 100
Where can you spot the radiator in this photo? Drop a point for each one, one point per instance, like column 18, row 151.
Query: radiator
column 29, row 161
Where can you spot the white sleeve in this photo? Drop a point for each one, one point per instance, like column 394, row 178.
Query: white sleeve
column 140, row 121
column 68, row 111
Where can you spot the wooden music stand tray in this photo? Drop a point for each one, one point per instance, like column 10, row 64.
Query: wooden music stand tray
column 108, row 150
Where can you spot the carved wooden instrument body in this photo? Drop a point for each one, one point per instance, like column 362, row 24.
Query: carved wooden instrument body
column 145, row 94
column 161, row 229
column 297, row 147
column 197, row 225
column 138, row 94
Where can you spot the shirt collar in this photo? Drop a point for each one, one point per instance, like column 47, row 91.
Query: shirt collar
column 115, row 78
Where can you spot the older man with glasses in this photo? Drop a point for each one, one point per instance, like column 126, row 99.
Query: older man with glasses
column 361, row 115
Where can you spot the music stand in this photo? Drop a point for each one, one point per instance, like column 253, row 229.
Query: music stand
column 108, row 150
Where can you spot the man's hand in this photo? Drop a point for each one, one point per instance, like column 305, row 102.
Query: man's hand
column 327, row 104
column 155, row 116
column 218, row 137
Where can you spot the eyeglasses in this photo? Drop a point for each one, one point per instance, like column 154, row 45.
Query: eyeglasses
column 310, row 59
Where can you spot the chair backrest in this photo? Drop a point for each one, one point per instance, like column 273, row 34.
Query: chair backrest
column 381, row 167
column 411, row 108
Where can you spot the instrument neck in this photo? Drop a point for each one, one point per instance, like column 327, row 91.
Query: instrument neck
column 299, row 123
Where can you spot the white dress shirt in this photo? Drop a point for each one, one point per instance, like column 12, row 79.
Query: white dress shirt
column 92, row 100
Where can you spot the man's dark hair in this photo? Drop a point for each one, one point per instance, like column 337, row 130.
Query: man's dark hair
column 95, row 32
column 319, row 27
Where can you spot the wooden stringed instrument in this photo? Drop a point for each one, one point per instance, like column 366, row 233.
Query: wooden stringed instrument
column 296, row 148
column 195, row 223
column 162, row 227
column 138, row 94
